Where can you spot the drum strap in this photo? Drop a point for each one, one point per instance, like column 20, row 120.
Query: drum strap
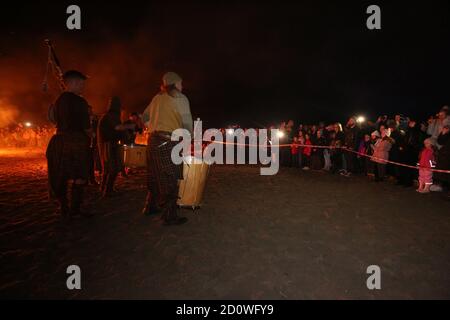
column 163, row 134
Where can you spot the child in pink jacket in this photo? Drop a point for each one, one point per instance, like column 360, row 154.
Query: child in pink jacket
column 426, row 162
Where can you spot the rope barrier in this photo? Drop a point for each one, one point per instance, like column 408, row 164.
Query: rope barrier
column 375, row 159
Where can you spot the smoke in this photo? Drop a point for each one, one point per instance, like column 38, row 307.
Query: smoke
column 21, row 98
column 129, row 68
column 8, row 114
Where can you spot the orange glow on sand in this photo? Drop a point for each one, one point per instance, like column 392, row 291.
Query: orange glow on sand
column 20, row 152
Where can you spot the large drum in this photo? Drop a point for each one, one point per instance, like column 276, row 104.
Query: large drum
column 195, row 173
column 134, row 156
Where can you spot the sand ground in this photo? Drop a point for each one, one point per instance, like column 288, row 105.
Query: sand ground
column 296, row 235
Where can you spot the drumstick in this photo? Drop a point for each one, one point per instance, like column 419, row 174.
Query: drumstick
column 195, row 127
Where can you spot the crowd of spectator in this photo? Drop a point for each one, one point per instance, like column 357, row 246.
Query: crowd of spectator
column 374, row 149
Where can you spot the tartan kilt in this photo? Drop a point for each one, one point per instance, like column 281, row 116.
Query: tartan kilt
column 162, row 173
column 67, row 159
column 110, row 157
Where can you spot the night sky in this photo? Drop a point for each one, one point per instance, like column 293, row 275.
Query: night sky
column 248, row 63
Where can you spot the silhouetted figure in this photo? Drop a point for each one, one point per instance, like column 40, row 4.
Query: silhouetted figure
column 68, row 150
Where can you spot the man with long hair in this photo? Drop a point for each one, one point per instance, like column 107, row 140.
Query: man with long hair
column 110, row 130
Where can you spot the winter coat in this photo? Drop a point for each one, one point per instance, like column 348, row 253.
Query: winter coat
column 381, row 150
column 351, row 136
column 426, row 158
column 307, row 150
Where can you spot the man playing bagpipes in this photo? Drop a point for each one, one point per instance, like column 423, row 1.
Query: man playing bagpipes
column 68, row 150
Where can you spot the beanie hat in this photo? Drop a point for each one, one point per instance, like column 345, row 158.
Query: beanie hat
column 170, row 78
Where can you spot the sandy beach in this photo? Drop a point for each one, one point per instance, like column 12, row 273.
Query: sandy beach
column 296, row 235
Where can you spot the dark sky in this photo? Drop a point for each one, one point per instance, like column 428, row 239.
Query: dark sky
column 252, row 63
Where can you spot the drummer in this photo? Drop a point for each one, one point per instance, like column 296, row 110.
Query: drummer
column 169, row 110
column 109, row 132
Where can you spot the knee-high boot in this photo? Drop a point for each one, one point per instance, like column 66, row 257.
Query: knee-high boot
column 151, row 206
column 109, row 185
column 170, row 209
column 63, row 203
column 77, row 200
column 103, row 182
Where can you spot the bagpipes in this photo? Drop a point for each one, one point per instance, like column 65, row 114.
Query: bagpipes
column 55, row 65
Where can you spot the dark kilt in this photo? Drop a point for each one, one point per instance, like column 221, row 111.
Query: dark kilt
column 67, row 159
column 110, row 157
column 162, row 173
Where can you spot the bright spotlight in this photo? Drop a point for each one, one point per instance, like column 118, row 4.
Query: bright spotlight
column 230, row 131
column 27, row 124
column 280, row 134
column 360, row 119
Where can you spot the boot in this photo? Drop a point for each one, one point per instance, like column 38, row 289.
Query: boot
column 171, row 217
column 109, row 186
column 103, row 183
column 150, row 206
column 63, row 207
column 421, row 187
column 63, row 203
column 76, row 201
column 426, row 188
